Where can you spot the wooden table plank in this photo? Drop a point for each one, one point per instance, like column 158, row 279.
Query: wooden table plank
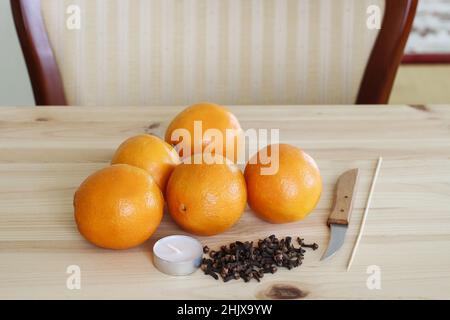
column 46, row 152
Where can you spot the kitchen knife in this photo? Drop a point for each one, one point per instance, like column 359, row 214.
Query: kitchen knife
column 342, row 209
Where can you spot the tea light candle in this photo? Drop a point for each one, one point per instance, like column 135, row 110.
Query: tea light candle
column 177, row 255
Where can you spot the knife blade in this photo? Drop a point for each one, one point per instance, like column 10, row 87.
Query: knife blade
column 341, row 212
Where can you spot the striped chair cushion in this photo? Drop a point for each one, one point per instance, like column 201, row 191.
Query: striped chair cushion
column 176, row 52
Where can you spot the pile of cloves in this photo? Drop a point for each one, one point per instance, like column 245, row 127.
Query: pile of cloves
column 246, row 261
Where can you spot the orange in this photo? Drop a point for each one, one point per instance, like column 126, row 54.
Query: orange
column 211, row 116
column 149, row 153
column 206, row 199
column 289, row 194
column 118, row 207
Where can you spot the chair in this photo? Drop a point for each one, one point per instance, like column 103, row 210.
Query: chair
column 176, row 52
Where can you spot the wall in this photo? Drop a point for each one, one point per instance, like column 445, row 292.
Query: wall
column 15, row 87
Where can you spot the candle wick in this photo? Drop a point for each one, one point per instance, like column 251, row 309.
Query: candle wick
column 174, row 248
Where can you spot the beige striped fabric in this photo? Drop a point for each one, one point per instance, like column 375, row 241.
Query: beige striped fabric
column 177, row 52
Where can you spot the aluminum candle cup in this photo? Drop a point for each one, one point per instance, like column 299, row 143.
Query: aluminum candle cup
column 177, row 255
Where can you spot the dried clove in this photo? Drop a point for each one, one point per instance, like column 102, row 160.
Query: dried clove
column 251, row 260
column 313, row 246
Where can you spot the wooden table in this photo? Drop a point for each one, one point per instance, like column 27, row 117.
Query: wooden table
column 46, row 152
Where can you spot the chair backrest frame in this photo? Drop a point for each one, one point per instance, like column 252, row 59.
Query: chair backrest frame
column 375, row 88
column 42, row 68
column 387, row 52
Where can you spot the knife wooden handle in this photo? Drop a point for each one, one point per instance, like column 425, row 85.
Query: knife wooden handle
column 344, row 198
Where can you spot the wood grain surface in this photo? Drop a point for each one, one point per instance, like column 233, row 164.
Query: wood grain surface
column 46, row 152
